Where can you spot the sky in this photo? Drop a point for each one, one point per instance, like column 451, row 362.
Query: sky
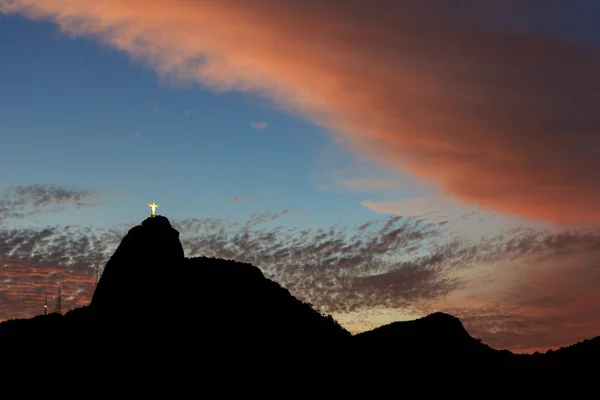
column 381, row 160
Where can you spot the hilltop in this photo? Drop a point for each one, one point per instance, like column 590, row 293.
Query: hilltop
column 161, row 321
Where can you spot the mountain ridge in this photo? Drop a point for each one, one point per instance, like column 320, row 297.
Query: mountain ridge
column 155, row 312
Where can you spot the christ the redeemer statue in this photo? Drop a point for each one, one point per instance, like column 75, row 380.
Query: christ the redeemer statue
column 153, row 207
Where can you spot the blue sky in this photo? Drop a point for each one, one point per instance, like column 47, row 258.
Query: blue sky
column 76, row 112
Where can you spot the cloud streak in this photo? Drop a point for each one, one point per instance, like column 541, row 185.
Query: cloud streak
column 239, row 199
column 18, row 202
column 498, row 118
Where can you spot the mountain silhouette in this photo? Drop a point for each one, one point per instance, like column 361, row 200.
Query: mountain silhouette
column 437, row 335
column 159, row 321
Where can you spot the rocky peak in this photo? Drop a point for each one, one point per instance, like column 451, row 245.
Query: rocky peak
column 132, row 279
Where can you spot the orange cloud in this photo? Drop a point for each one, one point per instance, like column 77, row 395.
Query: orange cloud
column 506, row 121
column 542, row 295
column 25, row 285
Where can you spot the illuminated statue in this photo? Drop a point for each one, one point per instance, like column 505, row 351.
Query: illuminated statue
column 153, row 207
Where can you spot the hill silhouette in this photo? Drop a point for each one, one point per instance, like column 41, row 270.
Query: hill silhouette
column 159, row 321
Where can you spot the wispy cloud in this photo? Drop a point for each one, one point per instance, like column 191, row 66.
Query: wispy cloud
column 416, row 206
column 260, row 218
column 315, row 264
column 23, row 201
column 152, row 106
column 41, row 195
column 259, row 125
column 393, row 263
column 239, row 199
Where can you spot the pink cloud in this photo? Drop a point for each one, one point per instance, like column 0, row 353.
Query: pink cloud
column 543, row 295
column 507, row 121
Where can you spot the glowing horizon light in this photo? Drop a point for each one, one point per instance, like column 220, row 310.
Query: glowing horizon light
column 153, row 207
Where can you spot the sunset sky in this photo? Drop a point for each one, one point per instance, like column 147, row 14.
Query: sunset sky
column 380, row 159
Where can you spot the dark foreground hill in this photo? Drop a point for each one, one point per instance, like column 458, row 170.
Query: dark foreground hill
column 161, row 322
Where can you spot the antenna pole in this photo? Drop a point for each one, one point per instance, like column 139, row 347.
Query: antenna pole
column 59, row 298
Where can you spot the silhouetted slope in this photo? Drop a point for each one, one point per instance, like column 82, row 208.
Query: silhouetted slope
column 433, row 347
column 438, row 335
column 235, row 299
column 148, row 279
column 160, row 321
column 134, row 277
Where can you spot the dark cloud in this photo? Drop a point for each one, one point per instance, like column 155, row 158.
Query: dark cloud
column 18, row 202
column 44, row 195
column 260, row 218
